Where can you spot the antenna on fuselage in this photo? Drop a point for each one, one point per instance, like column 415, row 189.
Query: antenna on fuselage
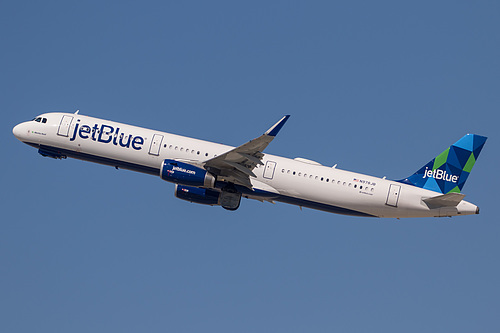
column 76, row 112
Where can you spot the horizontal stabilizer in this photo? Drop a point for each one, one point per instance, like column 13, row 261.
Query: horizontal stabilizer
column 445, row 200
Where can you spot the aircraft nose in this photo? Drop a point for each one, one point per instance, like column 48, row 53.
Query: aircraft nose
column 19, row 131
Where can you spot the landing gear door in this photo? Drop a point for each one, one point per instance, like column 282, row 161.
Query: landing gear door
column 269, row 169
column 393, row 195
column 64, row 125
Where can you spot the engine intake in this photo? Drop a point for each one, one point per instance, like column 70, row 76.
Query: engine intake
column 186, row 174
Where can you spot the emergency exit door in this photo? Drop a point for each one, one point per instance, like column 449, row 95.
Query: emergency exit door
column 154, row 149
column 269, row 169
column 64, row 125
column 393, row 195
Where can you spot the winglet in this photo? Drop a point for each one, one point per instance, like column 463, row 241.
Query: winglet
column 276, row 127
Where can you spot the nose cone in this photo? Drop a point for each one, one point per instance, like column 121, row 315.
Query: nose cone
column 16, row 131
column 20, row 131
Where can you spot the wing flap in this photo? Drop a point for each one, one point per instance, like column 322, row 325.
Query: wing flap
column 251, row 158
column 241, row 168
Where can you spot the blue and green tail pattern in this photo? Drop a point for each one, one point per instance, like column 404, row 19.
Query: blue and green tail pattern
column 449, row 171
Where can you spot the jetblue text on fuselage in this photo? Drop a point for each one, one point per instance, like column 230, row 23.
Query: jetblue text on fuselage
column 107, row 134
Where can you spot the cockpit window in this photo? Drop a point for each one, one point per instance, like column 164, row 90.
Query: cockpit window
column 40, row 119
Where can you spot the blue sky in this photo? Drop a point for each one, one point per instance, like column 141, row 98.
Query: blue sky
column 377, row 87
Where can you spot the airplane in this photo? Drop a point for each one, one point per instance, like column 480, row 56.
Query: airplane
column 219, row 175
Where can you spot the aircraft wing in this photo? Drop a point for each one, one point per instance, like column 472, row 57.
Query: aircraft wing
column 237, row 165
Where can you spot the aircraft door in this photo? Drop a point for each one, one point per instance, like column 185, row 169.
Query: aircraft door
column 154, row 149
column 393, row 195
column 269, row 169
column 64, row 125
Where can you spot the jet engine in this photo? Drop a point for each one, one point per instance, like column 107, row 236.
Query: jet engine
column 186, row 174
column 226, row 198
column 197, row 195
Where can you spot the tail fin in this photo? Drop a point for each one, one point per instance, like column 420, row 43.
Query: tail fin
column 449, row 170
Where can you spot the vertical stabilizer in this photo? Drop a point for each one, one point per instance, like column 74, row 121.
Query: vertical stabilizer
column 449, row 171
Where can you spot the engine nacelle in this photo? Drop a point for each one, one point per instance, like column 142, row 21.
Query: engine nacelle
column 186, row 174
column 197, row 195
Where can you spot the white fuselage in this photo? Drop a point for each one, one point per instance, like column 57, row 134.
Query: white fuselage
column 295, row 181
